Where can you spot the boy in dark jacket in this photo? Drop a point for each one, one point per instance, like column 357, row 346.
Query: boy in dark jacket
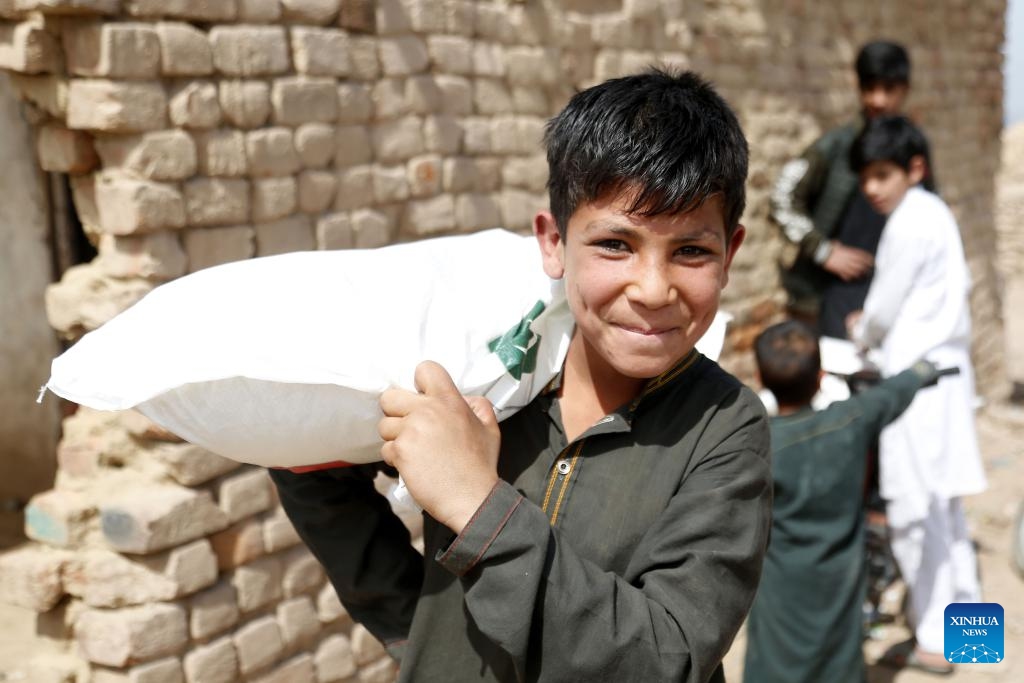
column 806, row 622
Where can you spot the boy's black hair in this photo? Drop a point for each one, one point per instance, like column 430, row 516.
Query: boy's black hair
column 789, row 360
column 881, row 61
column 664, row 139
column 891, row 138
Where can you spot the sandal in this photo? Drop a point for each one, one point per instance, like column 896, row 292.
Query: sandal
column 899, row 659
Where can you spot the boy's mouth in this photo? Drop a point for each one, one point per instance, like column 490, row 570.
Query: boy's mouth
column 647, row 331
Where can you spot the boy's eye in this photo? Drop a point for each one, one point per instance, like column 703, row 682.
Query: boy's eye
column 691, row 250
column 612, row 245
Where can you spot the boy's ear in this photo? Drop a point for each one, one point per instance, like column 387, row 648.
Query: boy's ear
column 552, row 248
column 918, row 169
column 730, row 251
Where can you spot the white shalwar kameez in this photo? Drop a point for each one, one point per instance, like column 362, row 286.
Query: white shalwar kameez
column 917, row 307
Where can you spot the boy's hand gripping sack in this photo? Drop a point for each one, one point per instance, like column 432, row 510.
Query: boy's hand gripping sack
column 279, row 361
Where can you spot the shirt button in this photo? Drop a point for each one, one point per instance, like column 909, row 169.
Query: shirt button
column 564, row 467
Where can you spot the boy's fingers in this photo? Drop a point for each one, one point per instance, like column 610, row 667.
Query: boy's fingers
column 397, row 402
column 389, row 428
column 433, row 380
column 483, row 409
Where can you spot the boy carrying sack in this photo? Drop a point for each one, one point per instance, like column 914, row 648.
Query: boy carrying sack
column 614, row 528
column 806, row 624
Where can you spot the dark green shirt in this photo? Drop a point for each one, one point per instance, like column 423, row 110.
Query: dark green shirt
column 631, row 554
column 806, row 623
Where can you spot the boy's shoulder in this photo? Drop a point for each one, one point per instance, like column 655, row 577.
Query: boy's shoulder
column 922, row 214
column 710, row 390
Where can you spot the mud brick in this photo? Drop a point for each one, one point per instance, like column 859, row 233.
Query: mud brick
column 65, row 151
column 216, row 201
column 60, row 518
column 316, row 191
column 315, row 12
column 258, row 644
column 271, row 152
column 244, row 494
column 334, row 659
column 129, row 205
column 258, row 11
column 302, row 572
column 314, row 143
column 188, row 464
column 294, row 233
column 298, row 622
column 184, row 50
column 245, row 104
column 365, row 647
column 159, row 155
column 28, row 48
column 273, row 198
column 117, row 107
column 334, row 231
column 304, row 99
column 112, row 49
column 157, row 256
column 250, row 50
column 221, row 152
column 30, row 577
column 371, row 228
column 194, row 104
column 213, row 611
column 403, row 56
column 320, row 51
column 134, row 634
column 239, row 544
column 215, row 662
column 397, row 140
column 278, row 531
column 209, row 247
column 358, row 15
column 156, row 518
column 429, row 216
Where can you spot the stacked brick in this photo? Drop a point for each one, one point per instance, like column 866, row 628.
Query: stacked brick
column 196, row 132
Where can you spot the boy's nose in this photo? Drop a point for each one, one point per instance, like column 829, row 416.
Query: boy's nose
column 651, row 287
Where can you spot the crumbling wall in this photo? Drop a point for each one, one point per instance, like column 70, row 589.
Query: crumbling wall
column 197, row 132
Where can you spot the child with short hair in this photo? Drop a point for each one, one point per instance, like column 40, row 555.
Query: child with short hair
column 620, row 535
column 806, row 622
column 917, row 307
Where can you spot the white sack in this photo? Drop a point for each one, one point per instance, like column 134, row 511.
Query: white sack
column 279, row 361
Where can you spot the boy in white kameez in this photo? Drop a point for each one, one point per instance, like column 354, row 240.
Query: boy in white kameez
column 917, row 307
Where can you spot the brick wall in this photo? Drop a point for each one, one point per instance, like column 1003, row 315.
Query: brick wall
column 197, row 132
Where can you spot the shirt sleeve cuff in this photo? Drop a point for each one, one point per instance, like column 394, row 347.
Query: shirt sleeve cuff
column 484, row 526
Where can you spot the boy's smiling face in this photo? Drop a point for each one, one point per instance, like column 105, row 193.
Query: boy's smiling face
column 885, row 183
column 643, row 290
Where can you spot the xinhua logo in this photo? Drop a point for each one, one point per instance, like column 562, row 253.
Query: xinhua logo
column 974, row 633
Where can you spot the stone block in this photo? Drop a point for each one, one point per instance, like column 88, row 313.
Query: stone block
column 383, row 670
column 314, row 143
column 371, row 229
column 289, row 234
column 320, row 51
column 359, row 16
column 456, row 94
column 334, row 231
column 476, row 212
column 403, row 56
column 365, row 647
column 389, row 99
column 195, row 104
column 156, row 256
column 298, row 622
column 451, row 54
column 329, row 608
column 215, row 662
column 184, row 50
column 116, row 107
column 353, row 146
column 258, row 11
column 298, row 668
column 362, row 57
column 49, row 93
column 221, row 152
column 134, row 634
column 491, row 97
column 303, row 99
column 211, row 247
column 354, row 103
column 65, row 7
column 85, row 298
column 530, row 100
column 271, row 152
column 197, row 10
column 28, row 48
column 130, row 205
column 239, row 544
column 257, row 584
column 528, row 173
column 112, row 49
column 213, row 611
column 167, row 670
column 423, row 95
column 424, row 173
column 390, row 184
column 30, row 577
column 476, row 135
column 245, row 493
column 396, row 141
column 278, row 531
column 60, row 518
column 314, row 12
column 273, row 198
column 429, row 216
column 488, row 60
column 536, row 66
column 60, row 150
column 158, row 517
column 355, row 184
column 442, row 135
column 334, row 659
column 316, row 191
column 302, row 572
column 518, row 208
column 392, row 17
column 245, row 104
column 216, row 201
column 159, row 155
column 188, row 464
column 250, row 50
